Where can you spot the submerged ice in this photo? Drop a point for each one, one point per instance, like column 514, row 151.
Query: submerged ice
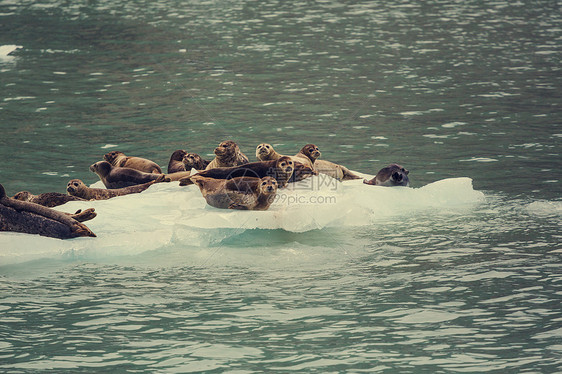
column 169, row 215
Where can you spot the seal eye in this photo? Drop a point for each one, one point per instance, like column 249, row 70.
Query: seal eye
column 264, row 183
column 267, row 146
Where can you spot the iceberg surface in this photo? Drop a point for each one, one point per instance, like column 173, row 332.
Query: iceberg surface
column 169, row 215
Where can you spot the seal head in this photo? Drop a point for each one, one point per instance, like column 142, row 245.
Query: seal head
column 392, row 175
column 227, row 154
column 311, row 152
column 194, row 161
column 265, row 152
column 176, row 161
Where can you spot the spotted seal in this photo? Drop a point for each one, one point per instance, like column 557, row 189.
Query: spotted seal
column 308, row 154
column 48, row 199
column 176, row 161
column 118, row 177
column 227, row 154
column 265, row 152
column 119, row 159
column 339, row 172
column 77, row 188
column 280, row 169
column 30, row 218
column 194, row 161
column 245, row 193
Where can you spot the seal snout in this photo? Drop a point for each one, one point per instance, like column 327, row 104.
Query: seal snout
column 397, row 176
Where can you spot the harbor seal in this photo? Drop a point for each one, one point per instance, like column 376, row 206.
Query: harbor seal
column 48, row 199
column 176, row 161
column 281, row 170
column 177, row 175
column 194, row 161
column 227, row 154
column 77, row 188
column 245, row 193
column 334, row 170
column 309, row 154
column 30, row 218
column 265, row 152
column 339, row 172
column 118, row 177
column 392, row 175
column 119, row 159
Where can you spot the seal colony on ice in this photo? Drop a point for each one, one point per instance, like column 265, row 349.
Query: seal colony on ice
column 229, row 181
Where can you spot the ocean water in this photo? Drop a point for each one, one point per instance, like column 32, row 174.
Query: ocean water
column 460, row 272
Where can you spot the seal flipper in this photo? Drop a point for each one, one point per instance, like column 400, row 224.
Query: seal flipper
column 237, row 206
column 85, row 215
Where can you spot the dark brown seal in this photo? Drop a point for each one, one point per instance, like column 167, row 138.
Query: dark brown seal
column 30, row 218
column 48, row 199
column 227, row 154
column 77, row 188
column 176, row 161
column 281, row 170
column 119, row 177
column 194, row 161
column 119, row 159
column 392, row 175
column 246, row 193
column 177, row 175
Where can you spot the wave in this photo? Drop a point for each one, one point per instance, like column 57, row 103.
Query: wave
column 169, row 215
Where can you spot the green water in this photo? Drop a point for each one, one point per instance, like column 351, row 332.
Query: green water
column 445, row 88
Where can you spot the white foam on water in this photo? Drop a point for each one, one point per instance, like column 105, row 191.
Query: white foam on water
column 545, row 208
column 169, row 215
